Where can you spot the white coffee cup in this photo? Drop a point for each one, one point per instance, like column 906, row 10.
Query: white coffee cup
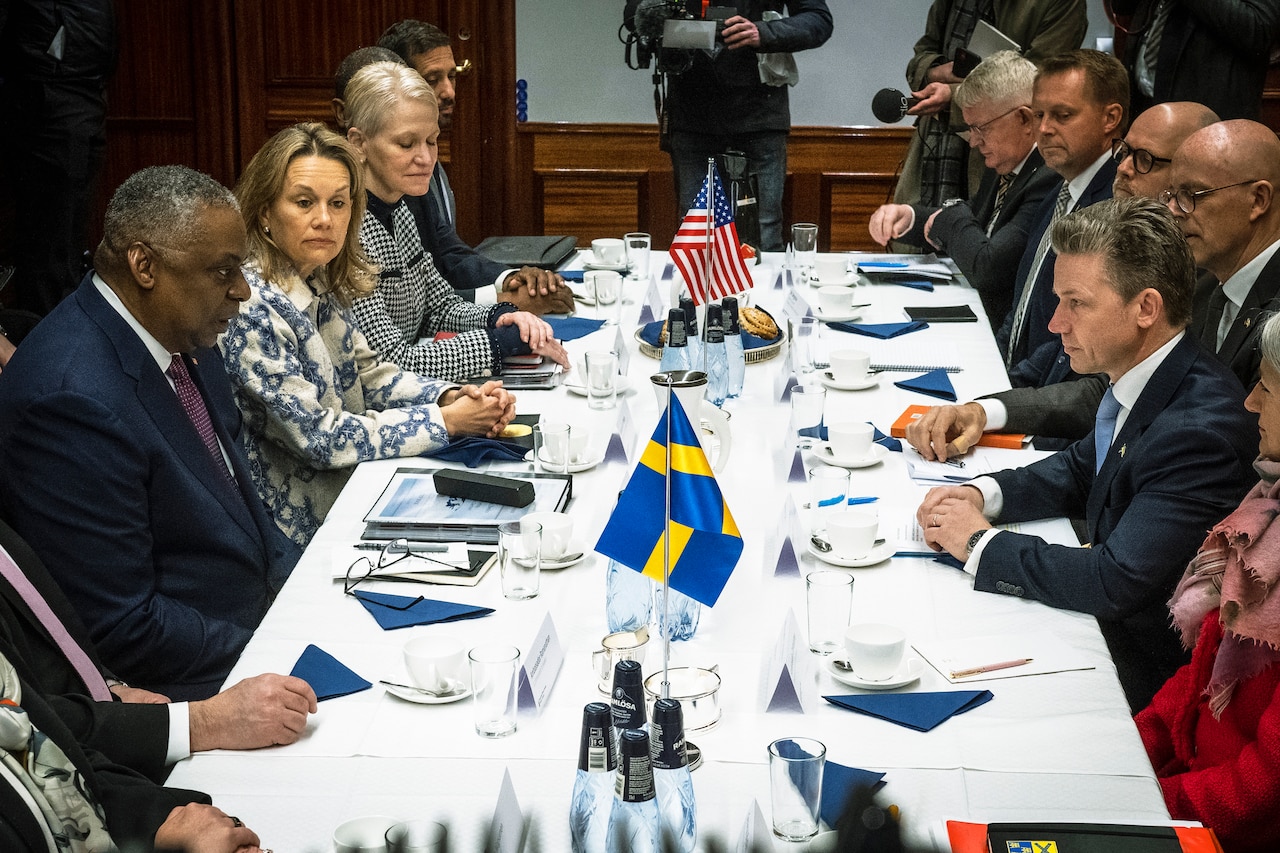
column 831, row 267
column 608, row 250
column 436, row 663
column 835, row 301
column 557, row 532
column 849, row 365
column 363, row 835
column 851, row 439
column 875, row 650
column 852, row 533
column 603, row 285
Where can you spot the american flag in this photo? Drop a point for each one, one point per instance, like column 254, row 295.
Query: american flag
column 688, row 250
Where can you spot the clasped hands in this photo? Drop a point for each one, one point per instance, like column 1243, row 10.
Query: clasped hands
column 478, row 409
column 537, row 291
column 949, row 515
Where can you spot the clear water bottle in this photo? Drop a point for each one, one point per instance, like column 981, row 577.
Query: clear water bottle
column 683, row 613
column 733, row 346
column 671, row 778
column 691, row 331
column 676, row 354
column 717, row 357
column 626, row 699
column 634, row 825
column 628, row 598
column 593, row 788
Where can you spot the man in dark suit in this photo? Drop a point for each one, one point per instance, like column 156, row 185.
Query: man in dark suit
column 1170, row 455
column 142, row 731
column 1065, row 410
column 1081, row 101
column 120, row 443
column 426, row 48
column 1215, row 52
column 987, row 235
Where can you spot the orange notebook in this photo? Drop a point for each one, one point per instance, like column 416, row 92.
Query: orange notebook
column 1007, row 440
column 1073, row 838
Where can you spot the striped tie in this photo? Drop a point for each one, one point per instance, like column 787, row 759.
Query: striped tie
column 1020, row 315
column 1001, row 192
column 1155, row 30
column 198, row 413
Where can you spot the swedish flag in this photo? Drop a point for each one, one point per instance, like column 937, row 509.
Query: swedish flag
column 705, row 542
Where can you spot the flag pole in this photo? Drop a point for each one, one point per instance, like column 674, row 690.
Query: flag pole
column 707, row 260
column 663, row 627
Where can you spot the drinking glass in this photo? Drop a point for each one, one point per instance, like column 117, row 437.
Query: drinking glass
column 551, row 446
column 520, row 558
column 638, row 246
column 602, row 379
column 804, row 242
column 829, row 596
column 494, row 670
column 795, row 786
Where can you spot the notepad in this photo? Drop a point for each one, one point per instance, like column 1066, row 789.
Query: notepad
column 942, row 313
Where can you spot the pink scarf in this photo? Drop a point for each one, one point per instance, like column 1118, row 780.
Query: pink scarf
column 1235, row 572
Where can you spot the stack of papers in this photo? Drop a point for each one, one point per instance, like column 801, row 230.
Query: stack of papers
column 927, row 266
column 1043, row 652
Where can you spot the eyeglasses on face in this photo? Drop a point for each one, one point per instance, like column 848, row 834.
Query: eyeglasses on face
column 1143, row 160
column 364, row 568
column 979, row 131
column 1186, row 198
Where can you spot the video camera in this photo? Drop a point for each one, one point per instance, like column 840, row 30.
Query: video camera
column 644, row 23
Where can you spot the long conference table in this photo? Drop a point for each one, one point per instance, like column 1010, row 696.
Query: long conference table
column 1058, row 747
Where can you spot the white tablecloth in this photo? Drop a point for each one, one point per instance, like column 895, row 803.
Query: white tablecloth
column 1053, row 747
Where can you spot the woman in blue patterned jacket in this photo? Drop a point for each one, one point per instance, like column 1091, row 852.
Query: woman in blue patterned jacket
column 393, row 122
column 316, row 398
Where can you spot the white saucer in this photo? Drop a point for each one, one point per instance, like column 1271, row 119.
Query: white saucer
column 549, row 565
column 427, row 698
column 621, row 386
column 878, row 554
column 836, row 318
column 847, row 280
column 868, row 381
column 908, row 673
column 574, row 467
column 824, row 842
column 827, row 455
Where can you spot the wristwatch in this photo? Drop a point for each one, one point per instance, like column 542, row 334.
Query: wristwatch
column 974, row 539
column 952, row 202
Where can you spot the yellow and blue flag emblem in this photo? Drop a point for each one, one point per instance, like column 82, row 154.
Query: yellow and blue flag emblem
column 705, row 542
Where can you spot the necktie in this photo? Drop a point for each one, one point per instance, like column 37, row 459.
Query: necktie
column 71, row 650
column 1155, row 30
column 1104, row 428
column 1213, row 319
column 198, row 414
column 1001, row 192
column 1020, row 314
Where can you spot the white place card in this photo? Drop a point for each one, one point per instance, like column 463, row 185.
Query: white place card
column 783, row 383
column 653, row 304
column 756, row 834
column 623, row 352
column 795, row 307
column 779, row 555
column 506, row 832
column 540, row 668
column 789, row 668
column 625, row 433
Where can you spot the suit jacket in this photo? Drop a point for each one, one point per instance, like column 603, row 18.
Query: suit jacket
column 169, row 568
column 1035, row 359
column 1214, row 52
column 135, row 807
column 463, row 267
column 134, row 735
column 990, row 263
column 1181, row 462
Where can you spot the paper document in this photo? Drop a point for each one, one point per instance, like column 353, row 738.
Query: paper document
column 1044, row 652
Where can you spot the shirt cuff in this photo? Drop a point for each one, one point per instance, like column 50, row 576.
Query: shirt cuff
column 179, row 732
column 997, row 414
column 971, row 565
column 992, row 496
column 488, row 295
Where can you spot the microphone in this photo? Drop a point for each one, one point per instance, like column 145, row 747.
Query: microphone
column 890, row 105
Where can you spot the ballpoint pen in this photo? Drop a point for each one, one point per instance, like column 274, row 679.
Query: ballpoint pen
column 991, row 667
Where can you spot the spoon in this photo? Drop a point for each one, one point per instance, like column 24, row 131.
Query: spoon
column 439, row 694
column 842, row 665
column 825, row 547
column 567, row 558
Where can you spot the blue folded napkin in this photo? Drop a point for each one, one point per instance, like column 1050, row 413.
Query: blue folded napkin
column 838, row 782
column 387, row 610
column 471, row 450
column 883, row 331
column 818, row 431
column 327, row 676
column 571, row 275
column 913, row 283
column 572, row 328
column 935, row 383
column 651, row 333
column 920, row 711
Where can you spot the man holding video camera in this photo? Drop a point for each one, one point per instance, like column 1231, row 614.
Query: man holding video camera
column 720, row 101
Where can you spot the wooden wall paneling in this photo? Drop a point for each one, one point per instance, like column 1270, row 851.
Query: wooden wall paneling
column 850, row 199
column 484, row 32
column 589, row 203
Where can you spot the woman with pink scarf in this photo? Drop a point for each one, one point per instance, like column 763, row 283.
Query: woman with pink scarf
column 1213, row 730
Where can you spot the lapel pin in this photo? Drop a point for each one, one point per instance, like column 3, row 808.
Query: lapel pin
column 1123, row 448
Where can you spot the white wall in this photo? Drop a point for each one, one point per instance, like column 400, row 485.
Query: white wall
column 568, row 51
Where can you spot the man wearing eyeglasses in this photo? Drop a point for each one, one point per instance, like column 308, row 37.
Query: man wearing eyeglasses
column 1066, row 410
column 987, row 235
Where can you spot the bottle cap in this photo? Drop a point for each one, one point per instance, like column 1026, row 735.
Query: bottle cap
column 690, row 316
column 715, row 325
column 627, row 695
column 595, row 750
column 635, row 769
column 676, row 335
column 668, row 748
column 732, row 325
